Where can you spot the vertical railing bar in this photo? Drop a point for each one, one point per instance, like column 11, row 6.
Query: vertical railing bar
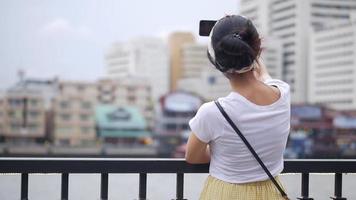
column 142, row 186
column 338, row 187
column 305, row 187
column 180, row 186
column 64, row 186
column 24, row 186
column 104, row 186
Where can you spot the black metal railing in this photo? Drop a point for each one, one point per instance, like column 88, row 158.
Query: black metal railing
column 105, row 166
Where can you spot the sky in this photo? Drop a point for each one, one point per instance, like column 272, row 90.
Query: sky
column 69, row 38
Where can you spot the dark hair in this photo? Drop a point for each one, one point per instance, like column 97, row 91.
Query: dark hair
column 236, row 43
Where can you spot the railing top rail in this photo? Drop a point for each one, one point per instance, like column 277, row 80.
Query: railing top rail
column 153, row 165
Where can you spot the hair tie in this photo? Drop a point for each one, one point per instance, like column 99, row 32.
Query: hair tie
column 236, row 35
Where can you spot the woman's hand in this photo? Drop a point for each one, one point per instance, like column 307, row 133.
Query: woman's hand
column 197, row 152
column 261, row 72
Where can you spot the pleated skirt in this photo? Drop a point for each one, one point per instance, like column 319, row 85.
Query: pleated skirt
column 215, row 189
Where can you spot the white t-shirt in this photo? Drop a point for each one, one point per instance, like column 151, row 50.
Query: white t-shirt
column 265, row 127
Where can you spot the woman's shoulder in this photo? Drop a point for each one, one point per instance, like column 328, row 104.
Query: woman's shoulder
column 207, row 109
column 279, row 83
column 282, row 86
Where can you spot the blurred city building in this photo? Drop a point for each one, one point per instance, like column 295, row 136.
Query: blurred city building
column 291, row 21
column 172, row 116
column 128, row 91
column 3, row 113
column 123, row 130
column 176, row 42
column 24, row 119
column 3, row 123
column 332, row 72
column 258, row 11
column 25, row 114
column 73, row 114
column 272, row 56
column 345, row 129
column 25, row 109
column 312, row 133
column 145, row 57
column 199, row 76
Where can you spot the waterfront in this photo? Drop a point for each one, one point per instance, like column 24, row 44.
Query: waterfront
column 159, row 186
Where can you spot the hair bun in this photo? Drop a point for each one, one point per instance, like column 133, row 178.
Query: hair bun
column 233, row 53
column 234, row 43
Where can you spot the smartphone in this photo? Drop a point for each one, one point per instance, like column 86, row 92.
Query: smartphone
column 205, row 27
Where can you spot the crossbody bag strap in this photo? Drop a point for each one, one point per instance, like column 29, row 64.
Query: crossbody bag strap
column 226, row 116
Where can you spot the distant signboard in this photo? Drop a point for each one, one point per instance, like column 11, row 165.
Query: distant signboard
column 182, row 102
column 345, row 122
column 306, row 112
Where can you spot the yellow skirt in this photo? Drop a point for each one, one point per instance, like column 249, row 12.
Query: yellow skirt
column 215, row 189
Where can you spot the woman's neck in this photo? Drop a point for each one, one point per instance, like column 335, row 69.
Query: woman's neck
column 244, row 81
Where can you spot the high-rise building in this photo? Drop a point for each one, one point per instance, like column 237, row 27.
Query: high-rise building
column 272, row 56
column 73, row 113
column 291, row 21
column 176, row 42
column 257, row 11
column 199, row 76
column 145, row 57
column 120, row 60
column 3, row 114
column 332, row 71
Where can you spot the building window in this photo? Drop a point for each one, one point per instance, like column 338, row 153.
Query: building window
column 80, row 88
column 15, row 127
column 64, row 129
column 65, row 117
column 34, row 102
column 185, row 126
column 15, row 102
column 86, row 130
column 84, row 117
column 64, row 104
column 131, row 98
column 33, row 127
column 64, row 142
column 11, row 113
column 171, row 126
column 131, row 89
column 33, row 114
column 86, row 105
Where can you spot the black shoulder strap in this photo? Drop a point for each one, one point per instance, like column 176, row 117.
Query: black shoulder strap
column 251, row 149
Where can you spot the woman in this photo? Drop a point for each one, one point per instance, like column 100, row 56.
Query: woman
column 257, row 104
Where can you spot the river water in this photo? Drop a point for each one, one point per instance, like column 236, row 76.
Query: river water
column 159, row 186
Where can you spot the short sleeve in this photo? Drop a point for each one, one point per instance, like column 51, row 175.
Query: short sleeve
column 283, row 86
column 204, row 123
